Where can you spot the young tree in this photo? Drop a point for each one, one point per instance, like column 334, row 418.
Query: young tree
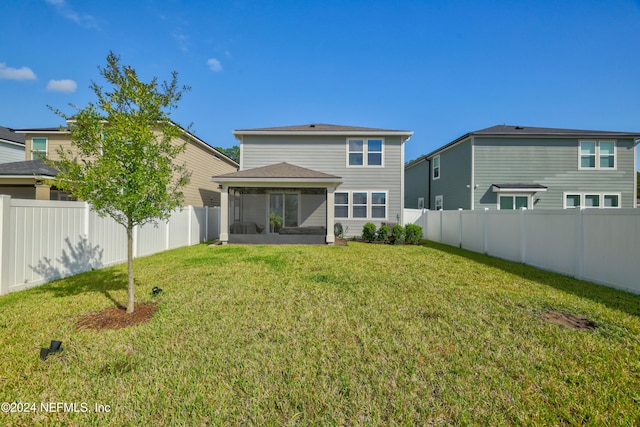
column 123, row 151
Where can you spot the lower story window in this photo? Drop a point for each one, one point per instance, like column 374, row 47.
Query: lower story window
column 510, row 202
column 360, row 204
column 439, row 203
column 591, row 200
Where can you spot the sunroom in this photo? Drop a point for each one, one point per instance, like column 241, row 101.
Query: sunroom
column 277, row 204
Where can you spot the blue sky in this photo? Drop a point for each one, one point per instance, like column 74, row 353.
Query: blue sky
column 438, row 68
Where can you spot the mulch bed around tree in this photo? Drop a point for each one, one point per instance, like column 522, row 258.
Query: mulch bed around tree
column 569, row 320
column 117, row 317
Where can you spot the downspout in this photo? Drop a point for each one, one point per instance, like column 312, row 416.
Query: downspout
column 473, row 173
column 428, row 183
column 635, row 169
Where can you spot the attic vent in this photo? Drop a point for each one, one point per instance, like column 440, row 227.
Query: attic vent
column 519, row 128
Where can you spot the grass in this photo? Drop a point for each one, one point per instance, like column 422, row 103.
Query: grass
column 356, row 335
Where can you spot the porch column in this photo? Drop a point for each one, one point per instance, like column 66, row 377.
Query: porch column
column 224, row 215
column 43, row 191
column 331, row 238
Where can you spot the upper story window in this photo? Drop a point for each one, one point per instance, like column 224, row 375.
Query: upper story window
column 436, row 167
column 38, row 148
column 365, row 152
column 597, row 155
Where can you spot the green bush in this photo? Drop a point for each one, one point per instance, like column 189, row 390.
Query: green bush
column 413, row 233
column 383, row 233
column 397, row 233
column 369, row 232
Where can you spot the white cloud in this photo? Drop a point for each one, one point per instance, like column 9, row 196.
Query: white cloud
column 214, row 65
column 64, row 86
column 10, row 73
column 84, row 20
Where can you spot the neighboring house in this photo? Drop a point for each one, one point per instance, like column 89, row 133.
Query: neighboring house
column 199, row 158
column 312, row 176
column 11, row 146
column 510, row 167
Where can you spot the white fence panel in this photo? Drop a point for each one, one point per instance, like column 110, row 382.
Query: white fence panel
column 179, row 229
column 412, row 216
column 450, row 227
column 503, row 234
column 599, row 245
column 611, row 248
column 473, row 232
column 551, row 240
column 108, row 240
column 45, row 240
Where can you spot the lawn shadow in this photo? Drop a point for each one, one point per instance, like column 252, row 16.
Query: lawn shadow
column 76, row 259
column 611, row 297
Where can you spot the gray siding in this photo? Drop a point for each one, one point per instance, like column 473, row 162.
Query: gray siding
column 10, row 153
column 416, row 184
column 455, row 175
column 328, row 154
column 550, row 162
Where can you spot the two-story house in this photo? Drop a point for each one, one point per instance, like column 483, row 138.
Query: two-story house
column 511, row 167
column 24, row 179
column 11, row 146
column 312, row 177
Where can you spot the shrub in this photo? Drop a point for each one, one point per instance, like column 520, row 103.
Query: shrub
column 383, row 233
column 369, row 232
column 413, row 233
column 398, row 234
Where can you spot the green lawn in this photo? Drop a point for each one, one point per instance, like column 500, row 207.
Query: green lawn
column 358, row 335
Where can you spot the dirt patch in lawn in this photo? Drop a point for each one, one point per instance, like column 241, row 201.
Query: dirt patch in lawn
column 569, row 320
column 340, row 242
column 117, row 317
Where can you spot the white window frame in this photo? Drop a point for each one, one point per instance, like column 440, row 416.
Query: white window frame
column 433, row 168
column 513, row 195
column 336, row 204
column 583, row 196
column 369, row 205
column 598, row 155
column 420, row 202
column 46, row 145
column 365, row 152
column 439, row 202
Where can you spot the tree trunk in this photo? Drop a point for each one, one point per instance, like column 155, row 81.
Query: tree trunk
column 130, row 299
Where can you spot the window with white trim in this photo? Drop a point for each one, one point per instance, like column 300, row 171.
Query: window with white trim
column 597, row 155
column 436, row 167
column 341, row 205
column 365, row 152
column 420, row 202
column 378, row 205
column 513, row 201
column 359, row 207
column 38, row 148
column 439, row 205
column 591, row 200
column 361, row 204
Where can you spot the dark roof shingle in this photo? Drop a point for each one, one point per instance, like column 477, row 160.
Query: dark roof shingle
column 279, row 171
column 27, row 168
column 9, row 135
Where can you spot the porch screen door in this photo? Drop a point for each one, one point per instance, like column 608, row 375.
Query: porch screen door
column 285, row 205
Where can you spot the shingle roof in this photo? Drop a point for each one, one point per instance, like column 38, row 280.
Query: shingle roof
column 318, row 128
column 27, row 168
column 278, row 171
column 538, row 131
column 9, row 135
column 530, row 131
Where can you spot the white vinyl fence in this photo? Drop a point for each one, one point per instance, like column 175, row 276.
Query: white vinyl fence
column 597, row 245
column 45, row 240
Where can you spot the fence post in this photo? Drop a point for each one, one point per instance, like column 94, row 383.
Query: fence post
column 523, row 236
column 87, row 211
column 206, row 223
column 440, row 240
column 580, row 243
column 190, row 210
column 485, row 227
column 460, row 227
column 5, row 241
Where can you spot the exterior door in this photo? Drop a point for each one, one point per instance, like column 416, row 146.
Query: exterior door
column 286, row 206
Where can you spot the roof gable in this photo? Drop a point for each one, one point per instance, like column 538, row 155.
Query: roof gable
column 279, row 171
